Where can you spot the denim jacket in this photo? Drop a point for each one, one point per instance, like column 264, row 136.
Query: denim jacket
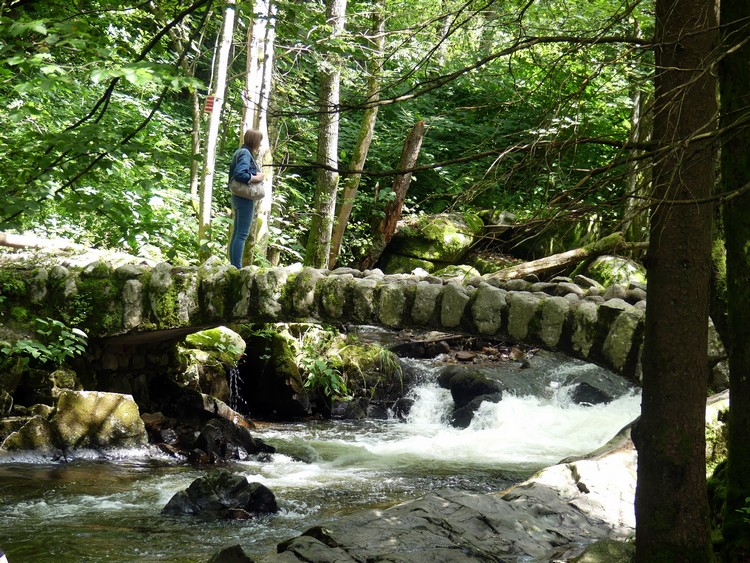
column 242, row 167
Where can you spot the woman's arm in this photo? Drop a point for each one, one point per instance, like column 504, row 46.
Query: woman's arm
column 246, row 170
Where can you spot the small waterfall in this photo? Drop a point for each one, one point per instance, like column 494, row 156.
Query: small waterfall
column 236, row 401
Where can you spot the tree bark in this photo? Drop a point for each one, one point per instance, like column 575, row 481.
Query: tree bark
column 258, row 87
column 366, row 131
column 209, row 162
column 327, row 181
column 672, row 522
column 387, row 226
column 734, row 77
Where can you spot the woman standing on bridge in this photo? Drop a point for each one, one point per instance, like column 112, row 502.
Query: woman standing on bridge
column 243, row 169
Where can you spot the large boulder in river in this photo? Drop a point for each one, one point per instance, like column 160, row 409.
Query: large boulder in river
column 82, row 419
column 431, row 241
column 92, row 419
column 222, row 494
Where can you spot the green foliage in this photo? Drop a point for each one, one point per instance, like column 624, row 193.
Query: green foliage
column 98, row 145
column 57, row 344
column 318, row 359
column 322, row 375
column 745, row 511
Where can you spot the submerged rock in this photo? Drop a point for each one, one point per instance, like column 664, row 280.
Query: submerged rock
column 222, row 494
column 231, row 554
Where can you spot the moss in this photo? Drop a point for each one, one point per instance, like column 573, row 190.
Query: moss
column 399, row 264
column 97, row 305
column 443, row 237
column 20, row 314
column 12, row 286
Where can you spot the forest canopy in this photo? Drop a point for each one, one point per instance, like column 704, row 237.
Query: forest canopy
column 529, row 107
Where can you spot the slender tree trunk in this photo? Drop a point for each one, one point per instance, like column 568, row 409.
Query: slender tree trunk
column 734, row 76
column 366, row 131
column 258, row 241
column 209, row 163
column 387, row 226
column 321, row 226
column 635, row 222
column 672, row 522
column 181, row 42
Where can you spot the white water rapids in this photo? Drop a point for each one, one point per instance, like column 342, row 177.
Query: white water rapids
column 93, row 509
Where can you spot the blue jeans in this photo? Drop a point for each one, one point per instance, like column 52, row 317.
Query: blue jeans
column 243, row 218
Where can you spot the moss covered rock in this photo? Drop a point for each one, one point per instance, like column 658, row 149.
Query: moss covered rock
column 227, row 344
column 98, row 420
column 436, row 238
column 609, row 270
column 38, row 435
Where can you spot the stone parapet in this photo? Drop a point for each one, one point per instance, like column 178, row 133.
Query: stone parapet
column 130, row 300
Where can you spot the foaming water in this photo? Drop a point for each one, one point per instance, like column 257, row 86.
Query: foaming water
column 95, row 507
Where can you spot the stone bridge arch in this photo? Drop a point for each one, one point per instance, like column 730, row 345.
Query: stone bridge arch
column 130, row 303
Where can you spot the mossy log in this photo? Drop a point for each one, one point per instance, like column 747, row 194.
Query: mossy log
column 614, row 243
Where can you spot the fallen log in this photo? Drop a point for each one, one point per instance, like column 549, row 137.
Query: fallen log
column 13, row 240
column 614, row 243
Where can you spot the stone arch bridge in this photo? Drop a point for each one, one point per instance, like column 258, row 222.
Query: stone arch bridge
column 129, row 305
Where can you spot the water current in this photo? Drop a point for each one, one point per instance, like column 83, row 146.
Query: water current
column 106, row 507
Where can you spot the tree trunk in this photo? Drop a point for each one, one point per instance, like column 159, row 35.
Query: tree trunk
column 387, row 226
column 209, row 162
column 261, row 38
column 321, row 226
column 635, row 216
column 734, row 77
column 672, row 522
column 366, row 131
column 260, row 232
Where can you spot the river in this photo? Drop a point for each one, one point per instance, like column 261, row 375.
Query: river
column 106, row 507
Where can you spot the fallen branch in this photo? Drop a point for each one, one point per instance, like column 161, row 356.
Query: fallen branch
column 30, row 241
column 614, row 243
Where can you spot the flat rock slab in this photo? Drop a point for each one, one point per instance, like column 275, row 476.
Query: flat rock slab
column 552, row 516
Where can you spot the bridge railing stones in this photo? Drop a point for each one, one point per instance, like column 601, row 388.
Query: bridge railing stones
column 577, row 316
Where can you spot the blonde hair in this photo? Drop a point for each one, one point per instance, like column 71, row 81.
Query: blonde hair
column 252, row 139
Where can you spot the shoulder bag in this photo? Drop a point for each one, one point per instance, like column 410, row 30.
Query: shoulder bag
column 252, row 190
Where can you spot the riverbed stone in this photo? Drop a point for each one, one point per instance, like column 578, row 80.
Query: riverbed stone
column 98, row 420
column 427, row 298
column 455, row 299
column 621, row 337
column 363, row 299
column 552, row 516
column 554, row 315
column 393, row 300
column 488, row 309
column 230, row 554
column 37, row 435
column 221, row 494
column 522, row 308
column 585, row 322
